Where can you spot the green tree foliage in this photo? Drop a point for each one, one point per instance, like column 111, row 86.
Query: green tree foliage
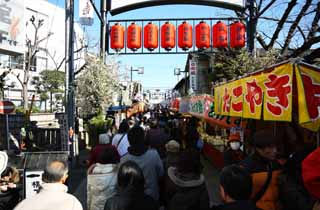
column 230, row 64
column 49, row 82
column 96, row 85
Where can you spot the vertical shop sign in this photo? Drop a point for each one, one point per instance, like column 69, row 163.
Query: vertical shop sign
column 85, row 12
column 12, row 26
column 193, row 74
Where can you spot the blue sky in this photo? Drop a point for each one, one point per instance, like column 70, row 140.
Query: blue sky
column 158, row 69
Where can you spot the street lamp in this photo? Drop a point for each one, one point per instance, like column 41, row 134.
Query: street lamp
column 177, row 72
column 140, row 70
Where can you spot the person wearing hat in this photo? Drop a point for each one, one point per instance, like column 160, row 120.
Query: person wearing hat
column 173, row 151
column 264, row 170
column 233, row 155
column 311, row 176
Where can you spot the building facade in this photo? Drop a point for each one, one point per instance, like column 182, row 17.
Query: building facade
column 16, row 28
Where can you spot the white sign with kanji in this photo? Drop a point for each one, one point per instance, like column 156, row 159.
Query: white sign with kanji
column 193, row 74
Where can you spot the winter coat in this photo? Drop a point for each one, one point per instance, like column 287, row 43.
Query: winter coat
column 131, row 201
column 101, row 185
column 9, row 199
column 237, row 205
column 186, row 193
column 52, row 196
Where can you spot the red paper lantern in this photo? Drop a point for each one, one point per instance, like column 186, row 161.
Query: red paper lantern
column 134, row 37
column 185, row 36
column 237, row 35
column 220, row 35
column 117, row 37
column 168, row 36
column 202, row 35
column 150, row 36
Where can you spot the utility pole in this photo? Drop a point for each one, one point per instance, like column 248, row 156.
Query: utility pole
column 252, row 25
column 103, row 21
column 69, row 92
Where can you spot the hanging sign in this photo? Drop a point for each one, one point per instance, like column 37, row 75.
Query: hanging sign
column 268, row 93
column 193, row 74
column 118, row 6
column 86, row 12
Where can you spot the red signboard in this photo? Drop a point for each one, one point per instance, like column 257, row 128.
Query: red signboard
column 6, row 107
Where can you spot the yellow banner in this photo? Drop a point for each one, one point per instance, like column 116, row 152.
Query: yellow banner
column 278, row 94
column 253, row 96
column 236, row 107
column 225, row 100
column 217, row 99
column 308, row 84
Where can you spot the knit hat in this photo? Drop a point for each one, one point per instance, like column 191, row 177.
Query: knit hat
column 234, row 137
column 104, row 139
column 264, row 138
column 172, row 146
column 311, row 173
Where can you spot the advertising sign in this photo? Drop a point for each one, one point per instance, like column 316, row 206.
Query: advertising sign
column 193, row 75
column 12, row 25
column 86, row 12
column 268, row 93
column 118, row 6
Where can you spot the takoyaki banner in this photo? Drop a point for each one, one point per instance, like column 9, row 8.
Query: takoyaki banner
column 119, row 6
column 268, row 95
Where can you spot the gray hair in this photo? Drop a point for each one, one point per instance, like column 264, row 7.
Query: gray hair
column 104, row 139
column 54, row 171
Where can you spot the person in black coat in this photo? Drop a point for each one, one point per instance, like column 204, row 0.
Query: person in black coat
column 235, row 189
column 130, row 195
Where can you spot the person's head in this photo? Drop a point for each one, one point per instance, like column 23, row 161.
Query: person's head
column 10, row 174
column 55, row 172
column 235, row 184
column 136, row 136
column 234, row 141
column 131, row 123
column 154, row 123
column 108, row 156
column 123, row 127
column 104, row 139
column 130, row 176
column 173, row 146
column 265, row 144
column 189, row 162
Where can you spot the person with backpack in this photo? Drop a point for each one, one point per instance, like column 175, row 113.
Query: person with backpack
column 120, row 140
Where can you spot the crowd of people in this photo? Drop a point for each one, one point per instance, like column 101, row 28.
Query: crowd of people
column 154, row 162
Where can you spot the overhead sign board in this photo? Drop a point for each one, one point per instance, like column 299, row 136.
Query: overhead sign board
column 12, row 25
column 193, row 71
column 119, row 6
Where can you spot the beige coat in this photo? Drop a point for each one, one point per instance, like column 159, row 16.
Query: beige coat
column 52, row 196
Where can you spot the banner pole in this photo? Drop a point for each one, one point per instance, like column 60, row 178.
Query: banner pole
column 7, row 132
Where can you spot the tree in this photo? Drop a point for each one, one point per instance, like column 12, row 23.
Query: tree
column 32, row 50
column 291, row 26
column 95, row 86
column 50, row 81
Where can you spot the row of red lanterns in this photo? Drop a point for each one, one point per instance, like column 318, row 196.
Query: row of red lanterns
column 185, row 36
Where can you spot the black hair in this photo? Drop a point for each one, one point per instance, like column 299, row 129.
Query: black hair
column 236, row 182
column 7, row 172
column 189, row 162
column 123, row 127
column 130, row 177
column 136, row 135
column 54, row 171
column 108, row 156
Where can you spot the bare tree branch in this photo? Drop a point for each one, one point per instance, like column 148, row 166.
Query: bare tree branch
column 261, row 41
column 275, row 19
column 312, row 56
column 282, row 21
column 293, row 27
column 306, row 46
column 265, row 8
column 315, row 21
column 302, row 34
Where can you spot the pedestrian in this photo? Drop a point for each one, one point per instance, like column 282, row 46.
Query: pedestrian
column 147, row 159
column 102, row 179
column 9, row 188
column 233, row 154
column 104, row 143
column 157, row 138
column 120, row 140
column 185, row 184
column 130, row 194
column 311, row 176
column 264, row 169
column 173, row 153
column 235, row 189
column 53, row 193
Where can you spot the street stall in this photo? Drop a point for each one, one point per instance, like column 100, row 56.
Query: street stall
column 273, row 97
column 136, row 108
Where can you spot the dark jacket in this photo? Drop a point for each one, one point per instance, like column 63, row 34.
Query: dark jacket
column 186, row 193
column 232, row 157
column 130, row 201
column 9, row 199
column 157, row 138
column 258, row 168
column 237, row 205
